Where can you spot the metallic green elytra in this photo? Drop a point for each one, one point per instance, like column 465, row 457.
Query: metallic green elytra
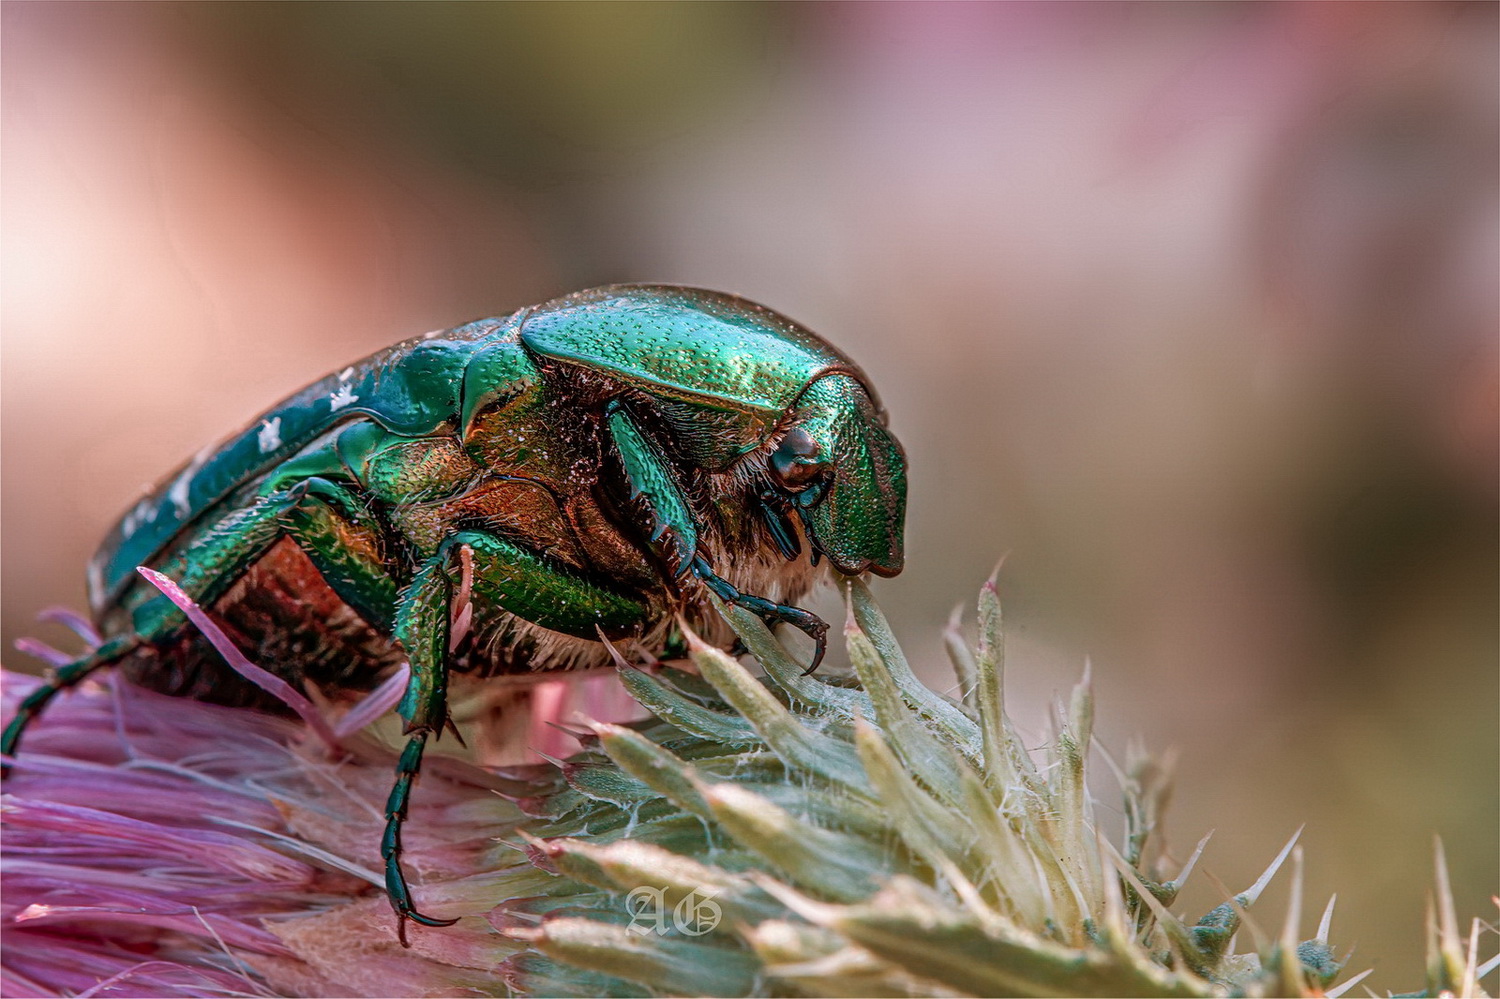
column 498, row 499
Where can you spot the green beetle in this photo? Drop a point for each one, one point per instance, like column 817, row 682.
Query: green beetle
column 582, row 470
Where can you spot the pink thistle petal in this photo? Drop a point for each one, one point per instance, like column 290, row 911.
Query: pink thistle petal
column 91, row 970
column 220, row 851
column 266, row 681
column 166, row 847
column 163, row 978
column 379, row 701
column 74, row 622
column 545, row 739
column 37, row 649
column 183, row 920
column 161, row 846
column 559, row 709
column 603, row 698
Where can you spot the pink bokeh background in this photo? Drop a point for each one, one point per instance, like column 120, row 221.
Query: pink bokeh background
column 1190, row 309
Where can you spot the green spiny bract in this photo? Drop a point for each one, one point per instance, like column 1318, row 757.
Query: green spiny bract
column 792, row 835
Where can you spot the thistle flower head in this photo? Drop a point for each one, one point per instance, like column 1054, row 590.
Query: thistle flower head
column 776, row 834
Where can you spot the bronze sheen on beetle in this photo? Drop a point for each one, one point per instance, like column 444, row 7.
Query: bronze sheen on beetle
column 586, row 469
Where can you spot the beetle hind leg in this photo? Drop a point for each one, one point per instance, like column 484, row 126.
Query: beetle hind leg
column 772, row 613
column 65, row 677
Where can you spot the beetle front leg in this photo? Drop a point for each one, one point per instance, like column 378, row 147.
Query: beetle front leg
column 656, row 502
column 805, row 621
column 648, row 497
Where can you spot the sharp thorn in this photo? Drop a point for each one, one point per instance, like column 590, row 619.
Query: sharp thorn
column 1344, row 987
column 1327, row 920
column 1187, row 868
column 1249, row 895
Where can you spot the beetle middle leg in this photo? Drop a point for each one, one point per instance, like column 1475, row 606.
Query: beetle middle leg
column 422, row 623
column 513, row 578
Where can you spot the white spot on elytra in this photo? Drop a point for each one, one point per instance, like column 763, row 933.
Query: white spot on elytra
column 344, row 394
column 269, row 437
column 178, row 494
column 341, row 398
column 143, row 512
column 96, row 581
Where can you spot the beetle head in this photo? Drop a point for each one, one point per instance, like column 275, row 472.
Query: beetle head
column 845, row 475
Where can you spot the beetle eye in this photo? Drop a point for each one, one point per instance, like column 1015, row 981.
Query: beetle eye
column 797, row 462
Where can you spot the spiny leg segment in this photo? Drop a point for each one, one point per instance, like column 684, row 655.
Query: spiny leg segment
column 506, row 575
column 65, row 677
column 672, row 529
column 422, row 629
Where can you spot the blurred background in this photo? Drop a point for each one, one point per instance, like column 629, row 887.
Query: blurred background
column 1191, row 310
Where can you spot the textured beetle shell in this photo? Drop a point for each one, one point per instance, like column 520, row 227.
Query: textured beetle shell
column 509, row 408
